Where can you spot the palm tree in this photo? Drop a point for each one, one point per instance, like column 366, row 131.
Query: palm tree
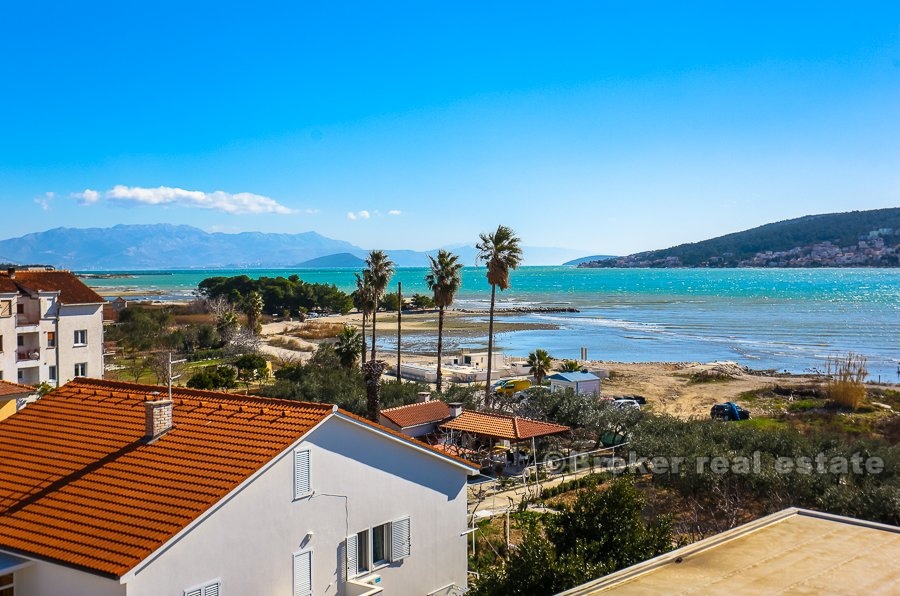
column 348, row 346
column 444, row 280
column 570, row 366
column 253, row 307
column 364, row 302
column 540, row 364
column 502, row 253
column 380, row 270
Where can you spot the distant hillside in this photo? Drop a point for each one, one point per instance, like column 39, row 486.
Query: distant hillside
column 164, row 246
column 342, row 260
column 857, row 238
column 575, row 262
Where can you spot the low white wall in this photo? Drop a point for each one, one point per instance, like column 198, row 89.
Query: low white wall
column 48, row 579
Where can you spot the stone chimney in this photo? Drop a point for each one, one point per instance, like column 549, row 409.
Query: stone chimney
column 11, row 272
column 158, row 418
column 423, row 396
column 455, row 409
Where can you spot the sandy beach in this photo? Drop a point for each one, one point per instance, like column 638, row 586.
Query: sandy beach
column 667, row 386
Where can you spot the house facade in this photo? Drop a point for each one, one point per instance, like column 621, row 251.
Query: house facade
column 582, row 383
column 51, row 327
column 215, row 494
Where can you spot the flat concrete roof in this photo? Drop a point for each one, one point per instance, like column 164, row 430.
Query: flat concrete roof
column 795, row 551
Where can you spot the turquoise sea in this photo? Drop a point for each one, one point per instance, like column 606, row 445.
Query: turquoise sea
column 783, row 319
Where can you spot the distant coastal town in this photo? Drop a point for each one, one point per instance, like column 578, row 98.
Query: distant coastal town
column 877, row 248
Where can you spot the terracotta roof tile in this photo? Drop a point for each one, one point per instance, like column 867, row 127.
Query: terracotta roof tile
column 500, row 426
column 71, row 289
column 79, row 486
column 416, row 414
column 7, row 388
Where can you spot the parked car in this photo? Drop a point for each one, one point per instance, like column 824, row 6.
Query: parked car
column 626, row 403
column 508, row 387
column 729, row 411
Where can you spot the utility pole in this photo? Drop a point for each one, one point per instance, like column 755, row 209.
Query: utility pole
column 399, row 315
column 171, row 377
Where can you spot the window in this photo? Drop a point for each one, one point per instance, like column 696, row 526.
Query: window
column 303, row 574
column 51, row 339
column 20, row 308
column 378, row 546
column 81, row 369
column 302, row 483
column 1, row 343
column 7, row 585
column 212, row 588
column 81, row 337
column 20, row 340
column 5, row 308
column 51, row 373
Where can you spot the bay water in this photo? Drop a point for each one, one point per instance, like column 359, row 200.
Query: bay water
column 784, row 319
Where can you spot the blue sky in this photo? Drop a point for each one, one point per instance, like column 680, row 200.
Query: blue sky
column 607, row 127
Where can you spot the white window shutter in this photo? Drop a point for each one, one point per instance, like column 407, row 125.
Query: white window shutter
column 352, row 556
column 400, row 542
column 302, row 485
column 303, row 574
column 195, row 592
column 211, row 590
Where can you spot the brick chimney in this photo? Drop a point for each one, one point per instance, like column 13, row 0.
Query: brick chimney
column 423, row 396
column 158, row 418
column 455, row 409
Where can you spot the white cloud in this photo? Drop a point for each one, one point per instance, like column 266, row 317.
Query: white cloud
column 45, row 200
column 86, row 197
column 363, row 214
column 394, row 212
column 236, row 204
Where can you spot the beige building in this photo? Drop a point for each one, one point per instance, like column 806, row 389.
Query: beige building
column 51, row 327
column 795, row 551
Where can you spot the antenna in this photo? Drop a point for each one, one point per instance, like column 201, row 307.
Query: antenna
column 171, row 377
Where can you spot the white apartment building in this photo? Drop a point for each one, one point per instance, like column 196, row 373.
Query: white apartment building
column 51, row 327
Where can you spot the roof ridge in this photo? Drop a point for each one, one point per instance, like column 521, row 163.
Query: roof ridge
column 418, row 403
column 187, row 392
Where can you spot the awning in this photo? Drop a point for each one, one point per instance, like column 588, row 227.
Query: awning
column 10, row 563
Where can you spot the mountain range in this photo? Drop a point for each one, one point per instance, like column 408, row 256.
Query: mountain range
column 166, row 246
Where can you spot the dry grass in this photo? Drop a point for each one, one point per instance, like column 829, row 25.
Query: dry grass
column 317, row 330
column 846, row 387
column 290, row 344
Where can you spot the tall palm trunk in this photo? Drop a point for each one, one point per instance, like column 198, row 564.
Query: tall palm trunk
column 487, row 389
column 372, row 372
column 373, row 330
column 363, row 363
column 440, row 345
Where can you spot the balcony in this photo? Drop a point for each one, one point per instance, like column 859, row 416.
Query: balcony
column 28, row 356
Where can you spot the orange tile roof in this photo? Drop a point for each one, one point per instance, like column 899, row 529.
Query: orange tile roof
column 7, row 388
column 416, row 414
column 501, row 426
column 80, row 487
column 71, row 289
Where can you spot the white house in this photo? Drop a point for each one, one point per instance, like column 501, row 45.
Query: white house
column 580, row 382
column 110, row 488
column 51, row 327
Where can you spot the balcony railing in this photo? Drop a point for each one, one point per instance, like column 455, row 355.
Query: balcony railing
column 28, row 354
column 25, row 320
